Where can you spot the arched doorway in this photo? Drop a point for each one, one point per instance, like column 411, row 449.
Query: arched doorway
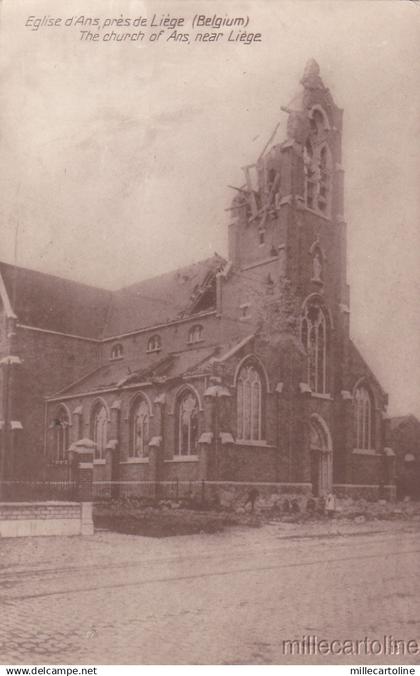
column 321, row 456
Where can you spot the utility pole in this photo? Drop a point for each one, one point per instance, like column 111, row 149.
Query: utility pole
column 6, row 426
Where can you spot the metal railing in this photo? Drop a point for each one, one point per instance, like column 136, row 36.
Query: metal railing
column 150, row 490
column 197, row 492
column 37, row 491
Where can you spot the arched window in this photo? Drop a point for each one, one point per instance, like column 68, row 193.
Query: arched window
column 187, row 423
column 140, row 415
column 363, row 418
column 99, row 430
column 249, row 404
column 61, row 425
column 154, row 344
column 195, row 334
column 321, row 456
column 317, row 166
column 324, row 188
column 318, row 437
column 117, row 351
column 310, row 176
column 314, row 337
column 318, row 123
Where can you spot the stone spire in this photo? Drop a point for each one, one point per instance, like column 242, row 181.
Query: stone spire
column 311, row 77
column 311, row 68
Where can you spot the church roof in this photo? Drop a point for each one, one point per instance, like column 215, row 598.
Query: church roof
column 123, row 373
column 161, row 299
column 359, row 365
column 396, row 421
column 49, row 302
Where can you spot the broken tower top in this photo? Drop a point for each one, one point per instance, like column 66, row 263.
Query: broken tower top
column 311, row 77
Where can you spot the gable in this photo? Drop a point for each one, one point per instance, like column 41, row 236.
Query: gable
column 48, row 302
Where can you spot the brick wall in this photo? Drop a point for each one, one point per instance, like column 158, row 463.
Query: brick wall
column 57, row 510
column 174, row 337
column 49, row 362
column 19, row 519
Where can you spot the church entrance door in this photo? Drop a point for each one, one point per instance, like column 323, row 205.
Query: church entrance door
column 321, row 456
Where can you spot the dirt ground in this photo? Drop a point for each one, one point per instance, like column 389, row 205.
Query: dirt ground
column 229, row 597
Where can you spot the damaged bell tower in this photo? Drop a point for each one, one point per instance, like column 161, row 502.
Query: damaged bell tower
column 290, row 206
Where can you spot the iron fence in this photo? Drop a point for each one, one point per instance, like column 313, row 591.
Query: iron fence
column 194, row 491
column 149, row 490
column 38, row 491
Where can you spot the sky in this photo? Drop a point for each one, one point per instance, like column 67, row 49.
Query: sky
column 116, row 157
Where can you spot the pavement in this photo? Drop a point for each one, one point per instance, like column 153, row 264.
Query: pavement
column 227, row 598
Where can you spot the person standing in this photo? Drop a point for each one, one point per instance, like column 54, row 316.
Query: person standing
column 330, row 505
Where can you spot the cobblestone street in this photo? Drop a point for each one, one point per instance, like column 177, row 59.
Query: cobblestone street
column 224, row 599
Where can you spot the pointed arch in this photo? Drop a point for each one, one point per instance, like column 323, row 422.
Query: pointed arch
column 317, row 112
column 179, row 391
column 321, row 439
column 99, row 418
column 187, row 409
column 139, row 421
column 316, row 297
column 325, row 179
column 321, row 455
column 364, row 415
column 132, row 401
column 318, row 163
column 250, row 399
column 96, row 402
column 61, row 426
column 315, row 337
column 253, row 357
column 309, row 167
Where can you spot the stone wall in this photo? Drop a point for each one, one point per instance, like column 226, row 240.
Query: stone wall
column 19, row 519
column 370, row 492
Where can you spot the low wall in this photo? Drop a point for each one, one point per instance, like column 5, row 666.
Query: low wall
column 19, row 519
column 235, row 494
column 369, row 492
column 283, row 496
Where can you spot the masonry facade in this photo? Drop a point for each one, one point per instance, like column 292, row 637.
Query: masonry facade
column 405, row 440
column 230, row 370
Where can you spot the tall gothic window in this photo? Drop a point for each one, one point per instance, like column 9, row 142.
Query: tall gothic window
column 317, row 164
column 324, row 187
column 61, row 424
column 139, row 439
column 314, row 338
column 249, row 404
column 187, row 423
column 363, row 418
column 310, row 176
column 99, row 430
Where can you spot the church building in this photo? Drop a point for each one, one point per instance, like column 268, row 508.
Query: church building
column 237, row 369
